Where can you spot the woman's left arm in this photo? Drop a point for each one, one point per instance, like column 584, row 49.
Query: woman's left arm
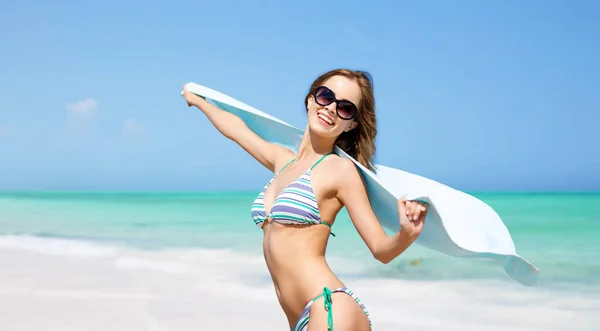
column 352, row 193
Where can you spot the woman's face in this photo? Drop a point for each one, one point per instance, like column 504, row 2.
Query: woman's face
column 325, row 120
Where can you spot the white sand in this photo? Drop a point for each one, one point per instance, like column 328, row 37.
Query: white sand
column 199, row 290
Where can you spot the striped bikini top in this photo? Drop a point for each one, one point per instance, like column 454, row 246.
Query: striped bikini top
column 296, row 204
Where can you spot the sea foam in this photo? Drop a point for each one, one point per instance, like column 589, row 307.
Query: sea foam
column 56, row 246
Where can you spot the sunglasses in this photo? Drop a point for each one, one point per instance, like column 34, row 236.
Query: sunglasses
column 345, row 109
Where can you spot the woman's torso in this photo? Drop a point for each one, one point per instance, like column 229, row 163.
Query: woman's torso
column 293, row 211
column 295, row 257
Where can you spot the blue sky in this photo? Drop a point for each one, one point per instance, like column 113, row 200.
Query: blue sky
column 479, row 95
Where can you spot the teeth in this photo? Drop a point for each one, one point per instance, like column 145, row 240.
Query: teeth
column 325, row 119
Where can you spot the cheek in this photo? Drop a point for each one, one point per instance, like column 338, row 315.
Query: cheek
column 348, row 126
column 311, row 112
column 310, row 106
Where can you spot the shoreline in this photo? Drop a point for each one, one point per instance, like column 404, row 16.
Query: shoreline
column 131, row 290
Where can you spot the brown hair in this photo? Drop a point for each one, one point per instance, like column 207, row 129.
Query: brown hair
column 360, row 141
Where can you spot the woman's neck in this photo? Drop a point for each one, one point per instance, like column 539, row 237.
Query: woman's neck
column 312, row 145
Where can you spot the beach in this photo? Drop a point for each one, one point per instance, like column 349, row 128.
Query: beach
column 122, row 291
column 65, row 272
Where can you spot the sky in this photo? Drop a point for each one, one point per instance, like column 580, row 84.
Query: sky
column 478, row 95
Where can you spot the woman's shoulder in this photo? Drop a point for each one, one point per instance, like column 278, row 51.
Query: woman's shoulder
column 340, row 168
column 341, row 175
column 341, row 163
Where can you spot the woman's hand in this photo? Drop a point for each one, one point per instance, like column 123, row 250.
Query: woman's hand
column 414, row 210
column 190, row 98
column 412, row 216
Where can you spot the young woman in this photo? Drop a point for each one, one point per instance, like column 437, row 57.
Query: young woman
column 298, row 206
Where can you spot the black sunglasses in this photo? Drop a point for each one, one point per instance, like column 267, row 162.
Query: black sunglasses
column 345, row 109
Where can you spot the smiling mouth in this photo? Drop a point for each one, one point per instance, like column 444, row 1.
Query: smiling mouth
column 324, row 119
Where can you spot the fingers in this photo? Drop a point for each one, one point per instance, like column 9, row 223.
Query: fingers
column 187, row 95
column 422, row 209
column 409, row 210
column 402, row 205
column 414, row 209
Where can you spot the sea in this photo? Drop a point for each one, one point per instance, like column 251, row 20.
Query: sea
column 558, row 232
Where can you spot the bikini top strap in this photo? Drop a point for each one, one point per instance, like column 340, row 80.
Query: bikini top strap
column 321, row 159
column 287, row 164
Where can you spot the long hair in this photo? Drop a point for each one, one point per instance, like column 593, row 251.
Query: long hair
column 360, row 141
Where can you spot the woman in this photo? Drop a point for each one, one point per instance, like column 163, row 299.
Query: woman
column 298, row 206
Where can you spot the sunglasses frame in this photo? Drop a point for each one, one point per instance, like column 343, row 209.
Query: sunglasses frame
column 337, row 102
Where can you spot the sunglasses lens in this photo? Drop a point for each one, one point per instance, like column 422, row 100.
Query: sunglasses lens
column 346, row 110
column 324, row 96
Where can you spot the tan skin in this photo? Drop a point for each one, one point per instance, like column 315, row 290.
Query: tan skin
column 295, row 255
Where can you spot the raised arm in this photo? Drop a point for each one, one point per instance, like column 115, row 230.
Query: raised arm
column 234, row 128
column 353, row 194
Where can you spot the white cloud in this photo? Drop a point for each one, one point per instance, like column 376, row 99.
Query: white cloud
column 132, row 127
column 81, row 115
column 82, row 107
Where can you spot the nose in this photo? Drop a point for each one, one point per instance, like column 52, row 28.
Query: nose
column 331, row 108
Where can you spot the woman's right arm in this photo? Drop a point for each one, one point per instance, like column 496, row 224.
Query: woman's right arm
column 353, row 194
column 234, row 128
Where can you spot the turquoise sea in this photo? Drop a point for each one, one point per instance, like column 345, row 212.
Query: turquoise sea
column 558, row 232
